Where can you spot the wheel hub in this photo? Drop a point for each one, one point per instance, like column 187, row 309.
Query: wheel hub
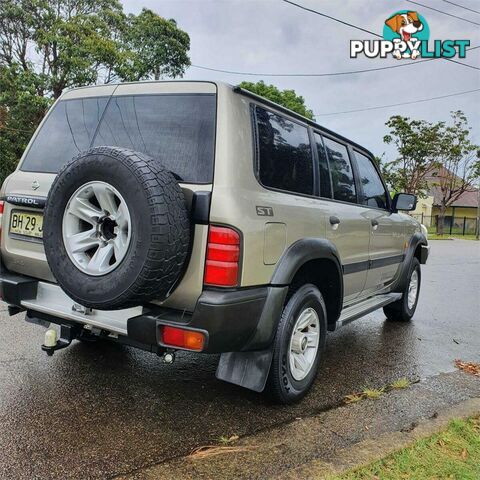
column 412, row 290
column 107, row 229
column 304, row 343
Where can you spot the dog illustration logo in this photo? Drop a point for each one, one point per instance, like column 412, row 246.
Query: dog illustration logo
column 406, row 27
column 406, row 34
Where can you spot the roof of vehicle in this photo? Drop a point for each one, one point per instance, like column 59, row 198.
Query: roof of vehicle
column 247, row 93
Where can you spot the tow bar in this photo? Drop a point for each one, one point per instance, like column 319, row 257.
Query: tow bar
column 52, row 343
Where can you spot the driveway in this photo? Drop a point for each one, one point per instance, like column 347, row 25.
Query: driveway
column 95, row 411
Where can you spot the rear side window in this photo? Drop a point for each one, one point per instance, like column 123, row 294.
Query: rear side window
column 68, row 130
column 178, row 130
column 374, row 194
column 325, row 183
column 343, row 183
column 285, row 156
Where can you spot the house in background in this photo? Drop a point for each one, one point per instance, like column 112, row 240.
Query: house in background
column 464, row 207
column 460, row 217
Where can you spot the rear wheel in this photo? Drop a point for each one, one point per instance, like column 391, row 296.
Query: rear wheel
column 403, row 310
column 299, row 341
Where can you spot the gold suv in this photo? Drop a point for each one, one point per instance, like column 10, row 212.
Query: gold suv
column 198, row 216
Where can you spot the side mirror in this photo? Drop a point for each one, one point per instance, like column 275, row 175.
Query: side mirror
column 404, row 201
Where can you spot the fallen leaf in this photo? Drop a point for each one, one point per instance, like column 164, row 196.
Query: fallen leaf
column 464, row 454
column 212, row 450
column 468, row 367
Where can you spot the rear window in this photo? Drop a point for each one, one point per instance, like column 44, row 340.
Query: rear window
column 285, row 156
column 178, row 130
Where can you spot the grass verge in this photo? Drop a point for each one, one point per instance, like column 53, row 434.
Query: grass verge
column 434, row 236
column 451, row 454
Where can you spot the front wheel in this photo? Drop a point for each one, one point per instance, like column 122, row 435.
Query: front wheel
column 403, row 310
column 299, row 341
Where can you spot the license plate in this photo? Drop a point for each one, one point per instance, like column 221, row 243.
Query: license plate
column 27, row 224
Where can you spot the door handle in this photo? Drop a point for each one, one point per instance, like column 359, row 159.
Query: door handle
column 334, row 222
column 374, row 223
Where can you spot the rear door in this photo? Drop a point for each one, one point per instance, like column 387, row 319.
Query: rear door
column 348, row 228
column 387, row 229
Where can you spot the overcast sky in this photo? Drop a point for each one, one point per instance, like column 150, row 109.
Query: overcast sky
column 275, row 37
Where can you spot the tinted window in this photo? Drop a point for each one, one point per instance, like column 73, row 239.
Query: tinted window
column 68, row 130
column 178, row 130
column 374, row 194
column 285, row 155
column 343, row 183
column 325, row 184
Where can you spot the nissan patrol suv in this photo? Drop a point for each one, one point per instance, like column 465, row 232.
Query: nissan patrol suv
column 198, row 216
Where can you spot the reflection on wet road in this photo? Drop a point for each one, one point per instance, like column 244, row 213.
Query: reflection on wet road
column 92, row 411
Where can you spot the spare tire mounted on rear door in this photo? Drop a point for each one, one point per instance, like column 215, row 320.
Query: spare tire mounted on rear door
column 116, row 229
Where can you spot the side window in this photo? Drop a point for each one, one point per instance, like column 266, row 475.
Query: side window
column 325, row 184
column 343, row 183
column 285, row 155
column 374, row 194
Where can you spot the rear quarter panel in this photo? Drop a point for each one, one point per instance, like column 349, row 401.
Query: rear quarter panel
column 237, row 195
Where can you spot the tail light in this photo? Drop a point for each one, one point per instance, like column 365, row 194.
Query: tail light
column 223, row 255
column 180, row 337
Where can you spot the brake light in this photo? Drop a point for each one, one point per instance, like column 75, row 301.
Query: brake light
column 180, row 337
column 222, row 259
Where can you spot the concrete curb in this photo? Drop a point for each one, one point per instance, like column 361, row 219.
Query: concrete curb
column 336, row 440
column 371, row 450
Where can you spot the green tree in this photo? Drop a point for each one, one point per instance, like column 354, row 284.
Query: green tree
column 457, row 166
column 159, row 48
column 287, row 98
column 47, row 46
column 21, row 110
column 416, row 145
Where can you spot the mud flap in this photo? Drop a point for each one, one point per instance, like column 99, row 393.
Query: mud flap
column 247, row 369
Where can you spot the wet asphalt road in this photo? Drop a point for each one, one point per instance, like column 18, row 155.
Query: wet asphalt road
column 95, row 411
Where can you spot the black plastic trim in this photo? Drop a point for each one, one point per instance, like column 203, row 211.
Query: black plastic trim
column 201, row 207
column 356, row 267
column 14, row 287
column 26, row 201
column 385, row 261
column 371, row 264
column 400, row 283
column 425, row 250
column 229, row 320
column 301, row 252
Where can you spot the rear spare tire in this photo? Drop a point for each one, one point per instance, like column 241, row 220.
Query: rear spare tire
column 116, row 229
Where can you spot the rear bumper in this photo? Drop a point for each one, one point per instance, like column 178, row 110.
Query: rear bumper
column 232, row 321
